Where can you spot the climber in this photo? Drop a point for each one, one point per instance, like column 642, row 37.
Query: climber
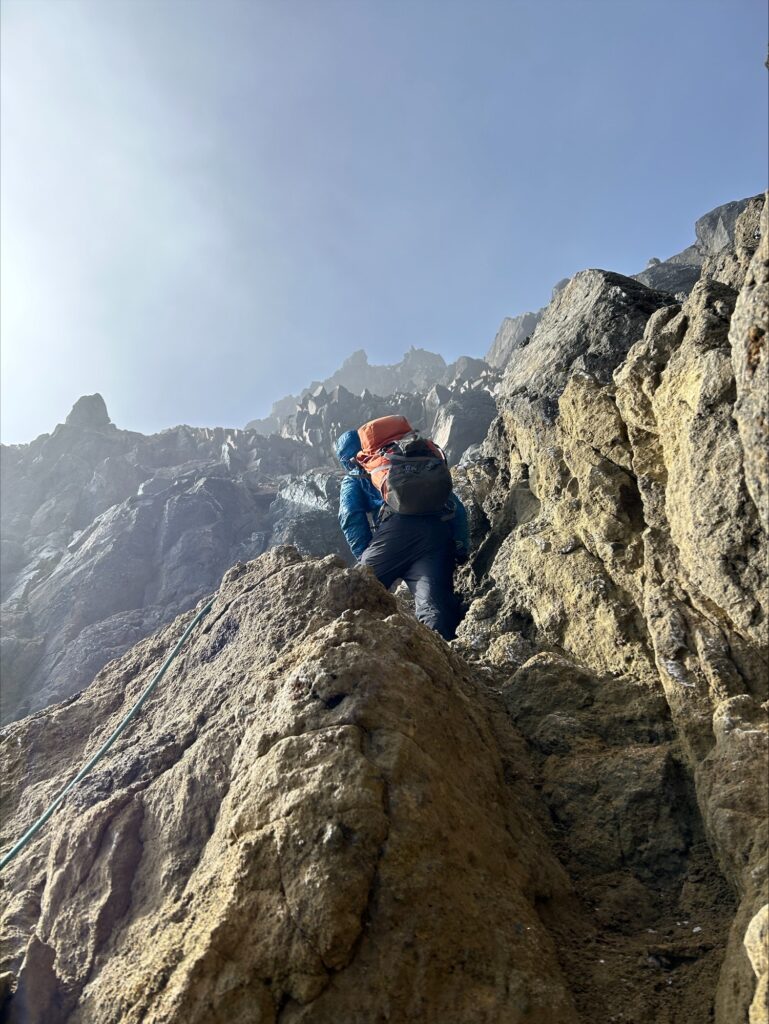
column 422, row 550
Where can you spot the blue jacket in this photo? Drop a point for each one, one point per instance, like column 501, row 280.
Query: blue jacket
column 358, row 498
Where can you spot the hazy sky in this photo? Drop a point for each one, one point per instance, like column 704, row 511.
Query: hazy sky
column 207, row 204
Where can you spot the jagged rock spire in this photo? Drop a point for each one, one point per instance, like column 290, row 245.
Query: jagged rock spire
column 89, row 411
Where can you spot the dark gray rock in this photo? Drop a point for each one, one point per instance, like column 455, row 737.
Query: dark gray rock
column 715, row 242
column 678, row 274
column 107, row 534
column 305, row 514
column 89, row 411
column 463, row 421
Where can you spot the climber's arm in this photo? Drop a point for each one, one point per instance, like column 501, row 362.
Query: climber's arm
column 354, row 507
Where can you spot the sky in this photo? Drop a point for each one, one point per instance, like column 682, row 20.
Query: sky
column 207, row 204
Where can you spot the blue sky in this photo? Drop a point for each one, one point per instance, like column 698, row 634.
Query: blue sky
column 206, row 205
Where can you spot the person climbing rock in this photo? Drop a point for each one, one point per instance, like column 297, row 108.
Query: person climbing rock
column 422, row 548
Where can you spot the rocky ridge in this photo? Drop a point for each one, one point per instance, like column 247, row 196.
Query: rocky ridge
column 626, row 529
column 456, row 415
column 325, row 806
column 714, row 237
column 108, row 534
column 676, row 275
column 417, row 371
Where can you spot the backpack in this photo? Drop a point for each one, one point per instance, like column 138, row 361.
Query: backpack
column 409, row 471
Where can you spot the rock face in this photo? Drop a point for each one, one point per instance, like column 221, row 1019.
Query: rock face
column 324, row 813
column 106, row 534
column 715, row 231
column 514, row 334
column 297, row 829
column 626, row 529
column 729, row 265
column 589, row 326
column 750, row 360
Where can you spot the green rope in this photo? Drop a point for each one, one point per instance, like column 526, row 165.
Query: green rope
column 34, row 829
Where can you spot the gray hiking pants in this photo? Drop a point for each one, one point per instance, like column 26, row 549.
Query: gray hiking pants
column 420, row 551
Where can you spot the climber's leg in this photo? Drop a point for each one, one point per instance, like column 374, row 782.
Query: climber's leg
column 430, row 580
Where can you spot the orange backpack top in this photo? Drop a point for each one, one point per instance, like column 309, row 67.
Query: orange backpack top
column 375, row 434
column 410, row 472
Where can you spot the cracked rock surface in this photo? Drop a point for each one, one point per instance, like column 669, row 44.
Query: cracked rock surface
column 316, row 818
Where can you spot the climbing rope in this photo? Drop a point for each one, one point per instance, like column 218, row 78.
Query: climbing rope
column 34, row 829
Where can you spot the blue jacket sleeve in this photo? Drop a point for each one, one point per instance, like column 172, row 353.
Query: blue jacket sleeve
column 353, row 518
column 460, row 527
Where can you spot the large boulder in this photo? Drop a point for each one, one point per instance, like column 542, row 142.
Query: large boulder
column 319, row 816
column 589, row 326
